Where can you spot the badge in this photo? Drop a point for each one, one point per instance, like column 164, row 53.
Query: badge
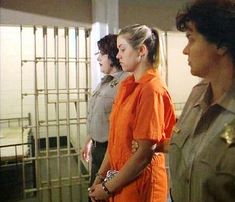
column 229, row 134
column 176, row 129
column 113, row 83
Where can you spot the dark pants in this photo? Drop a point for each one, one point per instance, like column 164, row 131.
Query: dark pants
column 97, row 153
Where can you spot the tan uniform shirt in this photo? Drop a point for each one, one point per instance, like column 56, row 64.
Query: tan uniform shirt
column 202, row 150
column 100, row 105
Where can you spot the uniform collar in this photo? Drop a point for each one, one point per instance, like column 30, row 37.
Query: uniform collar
column 107, row 78
column 110, row 77
column 117, row 74
column 204, row 99
column 227, row 101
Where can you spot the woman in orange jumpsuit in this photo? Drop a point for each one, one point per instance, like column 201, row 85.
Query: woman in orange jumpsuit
column 142, row 111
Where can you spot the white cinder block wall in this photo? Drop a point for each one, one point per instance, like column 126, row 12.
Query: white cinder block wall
column 10, row 72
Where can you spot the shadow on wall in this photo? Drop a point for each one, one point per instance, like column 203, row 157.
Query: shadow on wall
column 72, row 10
column 154, row 13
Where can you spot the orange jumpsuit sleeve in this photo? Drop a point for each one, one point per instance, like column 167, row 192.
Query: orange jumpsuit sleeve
column 150, row 117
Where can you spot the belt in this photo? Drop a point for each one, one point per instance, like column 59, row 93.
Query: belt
column 99, row 144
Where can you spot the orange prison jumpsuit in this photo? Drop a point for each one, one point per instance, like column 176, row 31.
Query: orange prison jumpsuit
column 141, row 110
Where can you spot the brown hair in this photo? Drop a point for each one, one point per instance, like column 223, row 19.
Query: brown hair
column 214, row 19
column 108, row 45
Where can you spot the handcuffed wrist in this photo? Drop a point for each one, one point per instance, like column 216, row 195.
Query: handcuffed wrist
column 104, row 187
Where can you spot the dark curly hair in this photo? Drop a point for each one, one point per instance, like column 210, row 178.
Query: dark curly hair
column 108, row 45
column 214, row 19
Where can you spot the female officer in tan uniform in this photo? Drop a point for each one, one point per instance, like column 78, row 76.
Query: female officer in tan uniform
column 101, row 101
column 202, row 150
